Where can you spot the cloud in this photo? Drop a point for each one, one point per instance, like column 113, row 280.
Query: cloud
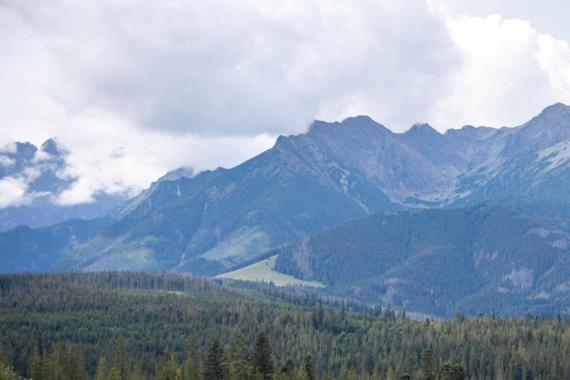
column 130, row 160
column 222, row 67
column 13, row 192
column 6, row 161
column 135, row 88
column 510, row 71
column 553, row 56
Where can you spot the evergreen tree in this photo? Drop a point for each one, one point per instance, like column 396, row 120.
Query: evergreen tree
column 239, row 359
column 288, row 370
column 191, row 368
column 7, row 373
column 263, row 357
column 426, row 366
column 120, row 359
column 309, row 368
column 35, row 364
column 167, row 368
column 452, row 372
column 114, row 374
column 102, row 372
column 214, row 367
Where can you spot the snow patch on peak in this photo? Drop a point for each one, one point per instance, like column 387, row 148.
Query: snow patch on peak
column 556, row 156
column 521, row 278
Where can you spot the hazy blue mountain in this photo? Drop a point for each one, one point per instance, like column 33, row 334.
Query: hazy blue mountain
column 215, row 220
column 45, row 249
column 440, row 261
column 41, row 170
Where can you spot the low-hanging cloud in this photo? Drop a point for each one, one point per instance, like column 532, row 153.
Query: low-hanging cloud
column 224, row 67
column 13, row 192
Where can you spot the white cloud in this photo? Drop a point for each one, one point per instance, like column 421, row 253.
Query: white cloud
column 13, row 192
column 510, row 71
column 6, row 161
column 136, row 88
column 8, row 148
column 553, row 56
column 229, row 68
column 118, row 158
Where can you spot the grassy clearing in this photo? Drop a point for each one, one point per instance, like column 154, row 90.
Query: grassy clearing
column 262, row 271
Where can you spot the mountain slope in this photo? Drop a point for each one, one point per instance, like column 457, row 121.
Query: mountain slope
column 220, row 218
column 439, row 262
column 534, row 166
column 42, row 249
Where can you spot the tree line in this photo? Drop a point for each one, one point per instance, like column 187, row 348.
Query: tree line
column 65, row 362
column 143, row 326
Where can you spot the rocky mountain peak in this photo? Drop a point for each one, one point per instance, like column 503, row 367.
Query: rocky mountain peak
column 555, row 109
column 422, row 129
column 549, row 128
column 554, row 116
column 23, row 151
column 356, row 124
column 51, row 146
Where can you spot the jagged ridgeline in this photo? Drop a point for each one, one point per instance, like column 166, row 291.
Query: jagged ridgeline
column 214, row 221
column 137, row 326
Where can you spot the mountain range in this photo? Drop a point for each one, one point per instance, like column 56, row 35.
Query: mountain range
column 218, row 220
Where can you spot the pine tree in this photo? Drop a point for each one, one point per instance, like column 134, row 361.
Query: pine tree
column 120, row 359
column 426, row 366
column 263, row 357
column 114, row 374
column 167, row 368
column 452, row 372
column 35, row 364
column 288, row 369
column 191, row 368
column 239, row 356
column 214, row 368
column 102, row 372
column 7, row 373
column 309, row 368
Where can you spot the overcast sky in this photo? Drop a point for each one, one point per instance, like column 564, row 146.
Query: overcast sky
column 134, row 88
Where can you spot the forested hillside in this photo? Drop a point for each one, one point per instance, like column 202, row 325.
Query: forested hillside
column 441, row 261
column 137, row 326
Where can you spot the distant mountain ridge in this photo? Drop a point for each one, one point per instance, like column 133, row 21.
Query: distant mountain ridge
column 39, row 171
column 210, row 222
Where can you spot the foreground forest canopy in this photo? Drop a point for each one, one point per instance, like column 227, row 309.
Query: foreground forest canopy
column 137, row 326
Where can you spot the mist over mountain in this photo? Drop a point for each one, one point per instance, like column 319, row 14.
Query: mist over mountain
column 33, row 179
